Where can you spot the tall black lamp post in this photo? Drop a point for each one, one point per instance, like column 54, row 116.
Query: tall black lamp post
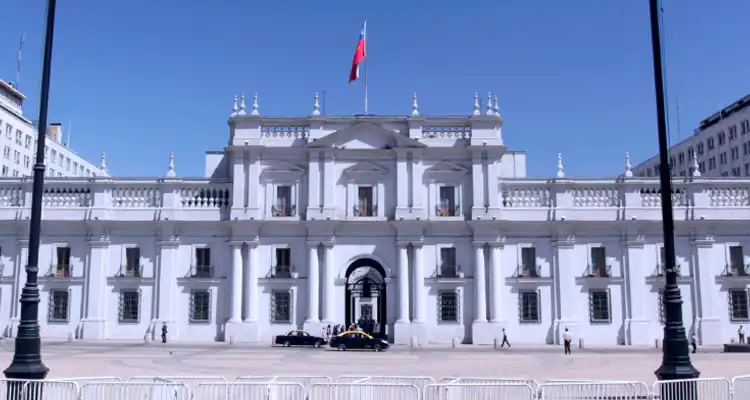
column 676, row 359
column 27, row 360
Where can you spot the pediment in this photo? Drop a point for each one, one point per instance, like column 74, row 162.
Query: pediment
column 282, row 170
column 365, row 136
column 365, row 168
column 447, row 167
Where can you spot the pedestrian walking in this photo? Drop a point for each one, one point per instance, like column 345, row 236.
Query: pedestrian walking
column 694, row 342
column 741, row 334
column 505, row 340
column 567, row 338
column 164, row 332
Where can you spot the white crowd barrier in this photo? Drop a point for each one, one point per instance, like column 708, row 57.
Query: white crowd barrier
column 363, row 391
column 250, row 391
column 134, row 390
column 190, row 381
column 741, row 387
column 490, row 380
column 701, row 388
column 419, row 381
column 477, row 391
column 588, row 390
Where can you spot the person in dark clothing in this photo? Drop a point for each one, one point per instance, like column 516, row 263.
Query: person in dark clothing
column 505, row 340
column 164, row 332
column 694, row 342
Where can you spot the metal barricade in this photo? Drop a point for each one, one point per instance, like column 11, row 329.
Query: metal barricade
column 190, row 381
column 693, row 389
column 87, row 379
column 419, row 381
column 305, row 380
column 363, row 391
column 250, row 391
column 589, row 390
column 488, row 380
column 45, row 389
column 643, row 391
column 134, row 390
column 741, row 387
column 476, row 391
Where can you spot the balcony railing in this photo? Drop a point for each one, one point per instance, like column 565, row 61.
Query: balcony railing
column 661, row 270
column 598, row 271
column 528, row 272
column 59, row 271
column 450, row 211
column 370, row 211
column 283, row 211
column 736, row 270
column 130, row 271
column 448, row 271
column 201, row 271
column 283, row 271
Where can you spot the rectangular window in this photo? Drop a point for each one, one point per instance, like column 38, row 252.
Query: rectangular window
column 8, row 131
column 283, row 267
column 28, row 142
column 599, row 307
column 62, row 268
column 281, row 307
column 448, row 261
column 53, row 158
column 130, row 307
column 448, row 307
column 447, row 206
column 133, row 261
column 203, row 267
column 530, row 312
column 528, row 262
column 738, row 305
column 599, row 262
column 365, row 202
column 59, row 307
column 284, row 206
column 200, row 307
column 19, row 137
column 5, row 170
column 737, row 261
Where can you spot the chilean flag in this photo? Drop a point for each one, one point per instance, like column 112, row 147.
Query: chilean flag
column 359, row 54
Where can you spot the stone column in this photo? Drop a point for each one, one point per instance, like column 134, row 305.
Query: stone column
column 313, row 284
column 480, row 295
column 496, row 284
column 95, row 324
column 235, row 313
column 251, row 284
column 403, row 285
column 419, row 295
column 329, row 289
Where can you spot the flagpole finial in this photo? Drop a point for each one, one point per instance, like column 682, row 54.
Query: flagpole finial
column 489, row 104
column 255, row 105
column 316, row 105
column 628, row 172
column 103, row 163
column 476, row 111
column 170, row 170
column 496, row 107
column 242, row 105
column 560, row 171
column 414, row 106
column 235, row 108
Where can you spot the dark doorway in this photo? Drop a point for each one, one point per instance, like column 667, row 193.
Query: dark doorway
column 365, row 300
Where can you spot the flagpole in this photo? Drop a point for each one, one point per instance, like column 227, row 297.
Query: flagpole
column 365, row 67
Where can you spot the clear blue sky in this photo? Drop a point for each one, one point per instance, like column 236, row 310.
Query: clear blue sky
column 142, row 78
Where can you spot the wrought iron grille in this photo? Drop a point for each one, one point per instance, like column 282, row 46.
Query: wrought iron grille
column 281, row 307
column 200, row 307
column 739, row 311
column 130, row 307
column 600, row 311
column 59, row 306
column 529, row 312
column 448, row 309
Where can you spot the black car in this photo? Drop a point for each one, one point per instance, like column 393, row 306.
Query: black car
column 357, row 340
column 299, row 338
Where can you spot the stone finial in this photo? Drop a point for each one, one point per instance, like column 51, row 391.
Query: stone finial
column 696, row 169
column 628, row 172
column 255, row 105
column 316, row 105
column 103, row 163
column 489, row 104
column 496, row 107
column 560, row 171
column 235, row 108
column 243, row 109
column 475, row 110
column 414, row 106
column 170, row 171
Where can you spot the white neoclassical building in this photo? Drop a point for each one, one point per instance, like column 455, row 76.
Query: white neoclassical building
column 426, row 224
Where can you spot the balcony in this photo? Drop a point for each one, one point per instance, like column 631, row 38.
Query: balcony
column 371, row 211
column 658, row 275
column 529, row 274
column 61, row 273
column 661, row 271
column 448, row 271
column 283, row 211
column 598, row 273
column 449, row 211
column 130, row 271
column 284, row 272
column 201, row 272
column 736, row 272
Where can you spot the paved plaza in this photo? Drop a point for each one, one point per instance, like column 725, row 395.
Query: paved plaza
column 125, row 359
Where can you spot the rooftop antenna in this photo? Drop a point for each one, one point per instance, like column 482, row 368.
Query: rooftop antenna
column 323, row 100
column 18, row 63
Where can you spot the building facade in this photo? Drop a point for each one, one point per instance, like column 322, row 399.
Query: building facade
column 427, row 225
column 720, row 146
column 18, row 138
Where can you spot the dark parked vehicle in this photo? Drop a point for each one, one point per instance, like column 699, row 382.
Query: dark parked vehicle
column 357, row 340
column 299, row 338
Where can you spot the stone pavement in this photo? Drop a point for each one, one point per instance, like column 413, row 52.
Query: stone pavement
column 125, row 359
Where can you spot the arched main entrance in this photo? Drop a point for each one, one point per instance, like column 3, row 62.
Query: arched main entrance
column 366, row 296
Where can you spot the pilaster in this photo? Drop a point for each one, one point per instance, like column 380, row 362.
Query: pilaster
column 329, row 285
column 637, row 313
column 566, row 272
column 95, row 323
column 705, row 270
column 167, row 285
column 479, row 332
column 402, row 328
